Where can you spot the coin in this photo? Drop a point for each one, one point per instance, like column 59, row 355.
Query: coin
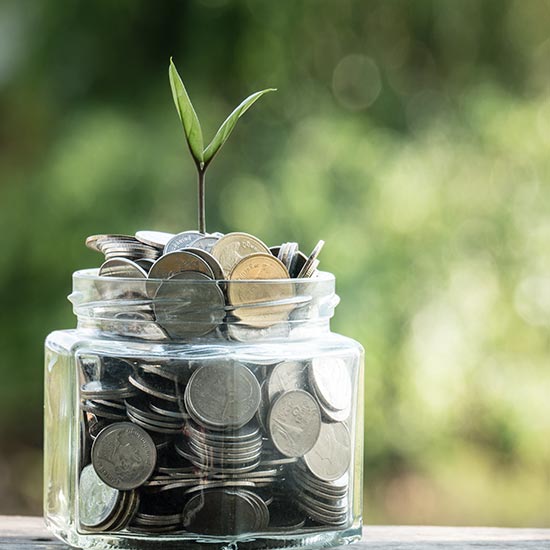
column 266, row 301
column 181, row 240
column 209, row 259
column 309, row 267
column 189, row 309
column 122, row 267
column 177, row 262
column 329, row 459
column 233, row 247
column 294, row 422
column 222, row 395
column 259, row 266
column 97, row 242
column 124, row 455
column 206, row 242
column 97, row 500
column 158, row 239
column 288, row 375
column 331, row 380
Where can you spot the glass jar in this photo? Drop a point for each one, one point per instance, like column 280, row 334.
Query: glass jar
column 177, row 421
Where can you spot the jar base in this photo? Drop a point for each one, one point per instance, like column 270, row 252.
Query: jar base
column 266, row 541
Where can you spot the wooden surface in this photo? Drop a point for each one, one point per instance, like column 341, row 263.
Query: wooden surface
column 23, row 533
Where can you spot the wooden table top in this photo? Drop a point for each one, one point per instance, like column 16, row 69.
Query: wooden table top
column 29, row 533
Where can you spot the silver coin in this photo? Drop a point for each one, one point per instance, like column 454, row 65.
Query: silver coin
column 124, row 455
column 158, row 239
column 102, row 412
column 181, row 240
column 294, row 422
column 327, row 490
column 330, row 415
column 187, row 310
column 177, row 262
column 286, row 376
column 245, row 333
column 156, row 386
column 145, row 263
column 97, row 242
column 206, row 242
column 107, row 389
column 330, row 377
column 246, row 434
column 209, row 259
column 97, row 500
column 308, row 269
column 122, row 267
column 223, row 395
column 296, row 263
column 330, row 457
column 128, row 512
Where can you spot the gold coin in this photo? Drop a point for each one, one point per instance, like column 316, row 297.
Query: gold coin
column 260, row 304
column 233, row 247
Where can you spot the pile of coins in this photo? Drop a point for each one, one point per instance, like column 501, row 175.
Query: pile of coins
column 172, row 311
column 214, row 446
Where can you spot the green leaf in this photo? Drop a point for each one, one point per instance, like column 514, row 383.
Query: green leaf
column 227, row 127
column 188, row 116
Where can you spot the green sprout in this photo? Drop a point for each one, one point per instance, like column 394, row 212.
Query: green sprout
column 203, row 156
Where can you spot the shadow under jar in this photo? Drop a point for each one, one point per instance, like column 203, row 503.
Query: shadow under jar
column 203, row 414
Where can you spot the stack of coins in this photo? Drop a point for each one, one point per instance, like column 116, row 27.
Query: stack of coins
column 173, row 310
column 214, row 446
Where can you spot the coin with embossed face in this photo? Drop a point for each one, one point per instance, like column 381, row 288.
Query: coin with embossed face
column 222, row 395
column 329, row 459
column 124, row 455
column 97, row 500
column 233, row 247
column 294, row 422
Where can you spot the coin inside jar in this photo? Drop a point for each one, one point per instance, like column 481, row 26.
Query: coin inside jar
column 221, row 396
column 124, row 455
column 294, row 423
column 97, row 500
column 192, row 309
column 329, row 459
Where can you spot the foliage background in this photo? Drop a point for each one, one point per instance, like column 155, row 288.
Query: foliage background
column 412, row 136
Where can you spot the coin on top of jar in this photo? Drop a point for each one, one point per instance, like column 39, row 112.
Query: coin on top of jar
column 233, row 247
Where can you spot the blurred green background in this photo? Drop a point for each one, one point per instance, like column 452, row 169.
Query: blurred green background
column 413, row 137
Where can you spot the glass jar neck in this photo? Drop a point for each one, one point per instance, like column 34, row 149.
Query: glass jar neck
column 194, row 311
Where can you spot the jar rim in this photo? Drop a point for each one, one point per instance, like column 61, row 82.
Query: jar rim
column 92, row 275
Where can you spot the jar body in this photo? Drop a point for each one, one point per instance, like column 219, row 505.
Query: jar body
column 178, row 419
column 203, row 474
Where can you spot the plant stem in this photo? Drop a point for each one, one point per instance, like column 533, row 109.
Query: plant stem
column 202, row 209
